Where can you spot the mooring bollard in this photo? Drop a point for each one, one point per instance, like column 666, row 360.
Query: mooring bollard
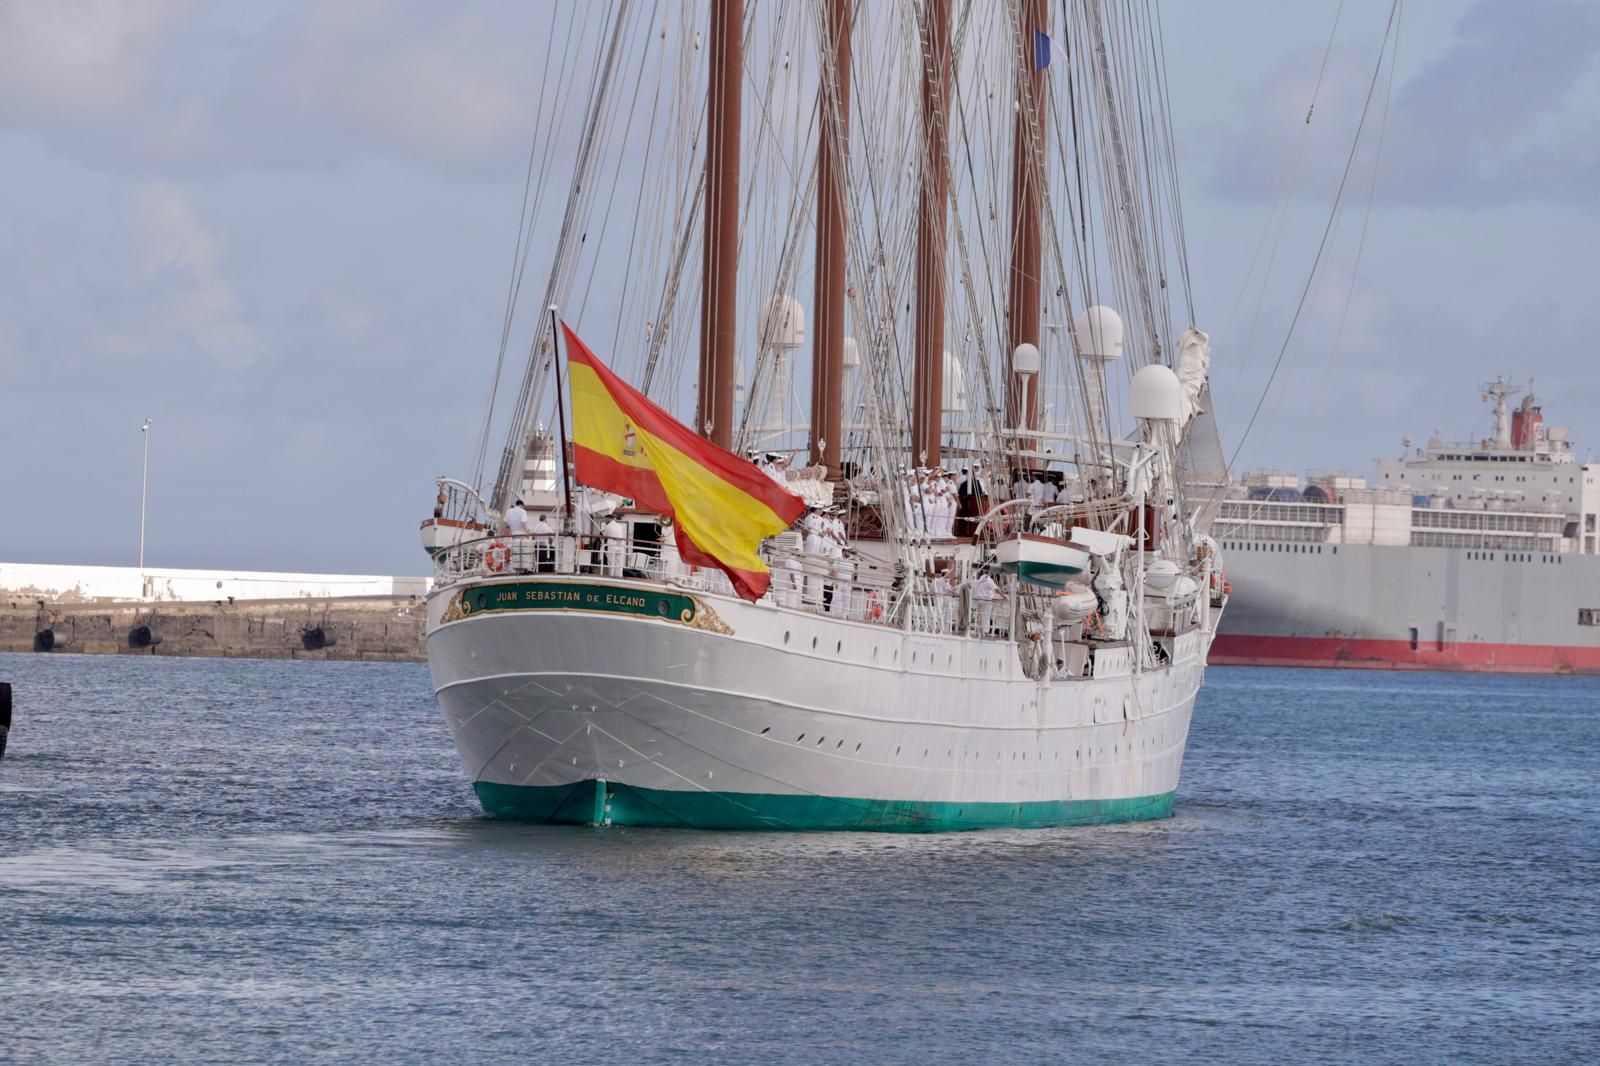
column 5, row 715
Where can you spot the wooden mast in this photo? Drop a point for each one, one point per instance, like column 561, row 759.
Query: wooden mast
column 827, row 363
column 1026, row 177
column 720, row 252
column 927, row 410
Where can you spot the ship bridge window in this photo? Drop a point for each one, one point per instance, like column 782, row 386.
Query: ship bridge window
column 1589, row 616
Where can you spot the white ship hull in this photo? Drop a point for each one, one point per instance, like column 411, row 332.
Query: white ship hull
column 753, row 716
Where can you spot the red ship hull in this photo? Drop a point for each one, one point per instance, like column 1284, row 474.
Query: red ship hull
column 1238, row 649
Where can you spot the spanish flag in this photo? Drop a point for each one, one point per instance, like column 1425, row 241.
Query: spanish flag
column 722, row 506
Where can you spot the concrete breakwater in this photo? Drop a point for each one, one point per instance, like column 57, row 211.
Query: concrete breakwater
column 375, row 627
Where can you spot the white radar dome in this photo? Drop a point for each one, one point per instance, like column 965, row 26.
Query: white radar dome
column 1156, row 394
column 1097, row 333
column 782, row 323
column 1025, row 360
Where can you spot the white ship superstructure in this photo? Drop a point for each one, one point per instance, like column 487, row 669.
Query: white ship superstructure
column 1473, row 555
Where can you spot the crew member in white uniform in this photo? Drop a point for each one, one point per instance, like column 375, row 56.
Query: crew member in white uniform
column 816, row 548
column 842, row 584
column 776, row 467
column 984, row 592
column 544, row 545
column 942, row 589
column 616, row 545
column 517, row 527
column 918, row 504
column 517, row 520
column 791, row 583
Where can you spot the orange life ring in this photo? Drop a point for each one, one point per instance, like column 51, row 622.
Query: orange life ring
column 874, row 605
column 497, row 557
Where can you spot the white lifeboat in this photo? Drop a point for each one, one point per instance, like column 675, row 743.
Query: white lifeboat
column 1041, row 561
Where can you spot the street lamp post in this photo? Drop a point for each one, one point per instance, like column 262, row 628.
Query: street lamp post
column 144, row 488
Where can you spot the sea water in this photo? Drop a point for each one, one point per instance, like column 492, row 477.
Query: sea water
column 208, row 860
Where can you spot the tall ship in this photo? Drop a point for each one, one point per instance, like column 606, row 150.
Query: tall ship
column 1479, row 554
column 928, row 552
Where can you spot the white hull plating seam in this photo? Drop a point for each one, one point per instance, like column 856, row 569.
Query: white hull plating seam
column 558, row 697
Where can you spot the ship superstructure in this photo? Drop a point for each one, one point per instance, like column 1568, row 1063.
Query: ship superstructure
column 1463, row 555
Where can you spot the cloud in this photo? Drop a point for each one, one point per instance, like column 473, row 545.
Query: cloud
column 300, row 87
column 78, row 58
column 181, row 257
column 1490, row 119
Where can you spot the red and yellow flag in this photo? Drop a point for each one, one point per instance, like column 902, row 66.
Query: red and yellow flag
column 722, row 505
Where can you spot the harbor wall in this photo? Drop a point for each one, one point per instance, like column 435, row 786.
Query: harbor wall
column 378, row 628
column 56, row 583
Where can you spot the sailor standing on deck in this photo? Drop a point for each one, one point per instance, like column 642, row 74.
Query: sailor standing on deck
column 942, row 590
column 544, row 545
column 916, row 504
column 842, row 584
column 816, row 548
column 615, row 536
column 984, row 592
column 776, row 467
column 517, row 527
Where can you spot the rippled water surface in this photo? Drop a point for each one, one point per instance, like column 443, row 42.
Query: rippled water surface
column 205, row 860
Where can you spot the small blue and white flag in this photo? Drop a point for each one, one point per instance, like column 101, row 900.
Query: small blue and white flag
column 1046, row 51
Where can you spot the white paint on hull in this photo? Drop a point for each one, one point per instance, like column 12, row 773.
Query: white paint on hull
column 800, row 704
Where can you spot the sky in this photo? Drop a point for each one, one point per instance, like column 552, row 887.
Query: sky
column 282, row 231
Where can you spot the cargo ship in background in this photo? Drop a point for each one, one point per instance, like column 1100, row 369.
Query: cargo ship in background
column 1480, row 555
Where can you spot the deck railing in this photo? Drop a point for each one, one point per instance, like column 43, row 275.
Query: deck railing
column 849, row 588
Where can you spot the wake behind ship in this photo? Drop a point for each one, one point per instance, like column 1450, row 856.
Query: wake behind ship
column 1467, row 555
column 975, row 586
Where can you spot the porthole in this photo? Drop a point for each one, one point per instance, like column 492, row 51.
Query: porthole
column 858, row 745
column 799, row 738
column 838, row 647
column 820, row 740
column 874, row 653
column 767, row 730
column 786, row 636
column 897, row 750
column 813, row 643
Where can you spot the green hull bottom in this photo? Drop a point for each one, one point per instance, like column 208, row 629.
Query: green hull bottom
column 608, row 803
